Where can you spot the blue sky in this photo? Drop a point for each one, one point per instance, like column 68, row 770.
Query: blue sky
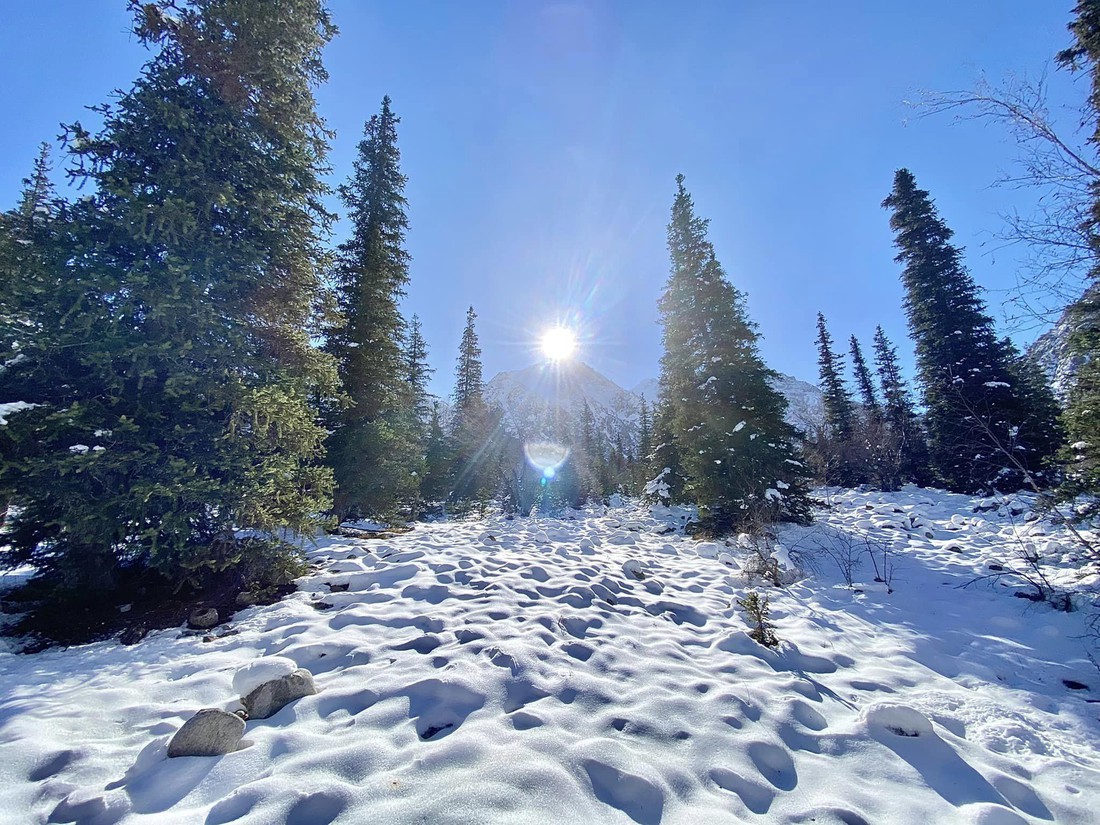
column 542, row 139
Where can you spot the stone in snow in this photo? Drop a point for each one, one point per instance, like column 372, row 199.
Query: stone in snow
column 271, row 697
column 262, row 670
column 210, row 732
column 201, row 619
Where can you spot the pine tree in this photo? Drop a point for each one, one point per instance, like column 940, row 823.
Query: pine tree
column 468, row 384
column 899, row 413
column 837, row 399
column 417, row 371
column 1081, row 418
column 173, row 367
column 642, row 461
column 438, row 459
column 863, row 380
column 723, row 419
column 477, row 429
column 979, row 425
column 833, row 453
column 374, row 450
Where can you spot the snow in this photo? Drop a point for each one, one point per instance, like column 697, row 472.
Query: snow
column 522, row 671
column 264, row 669
column 11, row 407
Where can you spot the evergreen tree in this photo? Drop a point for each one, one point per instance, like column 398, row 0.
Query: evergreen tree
column 643, row 459
column 171, row 364
column 468, row 383
column 725, row 422
column 374, row 451
column 477, row 429
column 1081, row 418
column 438, row 459
column 837, row 399
column 833, row 453
column 899, row 413
column 980, row 425
column 863, row 380
column 417, row 371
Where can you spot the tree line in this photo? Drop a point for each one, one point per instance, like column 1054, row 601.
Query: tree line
column 191, row 370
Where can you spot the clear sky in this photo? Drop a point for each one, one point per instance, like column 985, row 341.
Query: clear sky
column 542, row 139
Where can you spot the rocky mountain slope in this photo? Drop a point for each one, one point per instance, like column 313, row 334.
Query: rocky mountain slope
column 1051, row 351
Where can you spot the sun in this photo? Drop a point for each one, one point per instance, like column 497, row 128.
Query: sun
column 558, row 343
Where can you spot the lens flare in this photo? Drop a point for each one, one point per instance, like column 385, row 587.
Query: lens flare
column 558, row 343
column 545, row 456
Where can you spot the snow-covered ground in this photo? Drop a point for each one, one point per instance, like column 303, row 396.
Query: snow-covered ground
column 595, row 670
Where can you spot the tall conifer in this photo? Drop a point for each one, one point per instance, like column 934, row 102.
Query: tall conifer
column 374, row 450
column 863, row 380
column 979, row 420
column 1082, row 414
column 718, row 412
column 838, row 401
column 173, row 368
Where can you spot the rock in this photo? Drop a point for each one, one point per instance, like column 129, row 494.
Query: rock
column 201, row 618
column 210, row 732
column 270, row 697
column 133, row 634
column 261, row 671
column 245, row 599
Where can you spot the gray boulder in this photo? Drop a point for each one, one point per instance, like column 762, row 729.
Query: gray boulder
column 210, row 732
column 202, row 619
column 270, row 697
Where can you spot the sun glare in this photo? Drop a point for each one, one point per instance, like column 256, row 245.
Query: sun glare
column 558, row 343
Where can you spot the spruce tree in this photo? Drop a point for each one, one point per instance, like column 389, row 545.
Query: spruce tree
column 1081, row 418
column 417, row 371
column 172, row 367
column 645, row 445
column 899, row 413
column 477, row 429
column 437, row 480
column 980, row 425
column 863, row 380
column 837, row 399
column 833, row 450
column 734, row 450
column 468, row 382
column 374, row 450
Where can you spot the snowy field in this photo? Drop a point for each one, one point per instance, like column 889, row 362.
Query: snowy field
column 521, row 671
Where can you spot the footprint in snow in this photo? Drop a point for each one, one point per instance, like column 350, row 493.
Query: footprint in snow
column 756, row 797
column 638, row 798
column 775, row 765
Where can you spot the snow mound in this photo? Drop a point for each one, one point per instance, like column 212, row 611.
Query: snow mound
column 900, row 720
column 262, row 670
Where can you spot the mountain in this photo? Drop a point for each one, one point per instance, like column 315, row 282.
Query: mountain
column 545, row 401
column 804, row 399
column 1052, row 352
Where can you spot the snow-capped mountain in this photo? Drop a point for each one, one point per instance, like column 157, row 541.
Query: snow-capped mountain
column 804, row 399
column 546, row 400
